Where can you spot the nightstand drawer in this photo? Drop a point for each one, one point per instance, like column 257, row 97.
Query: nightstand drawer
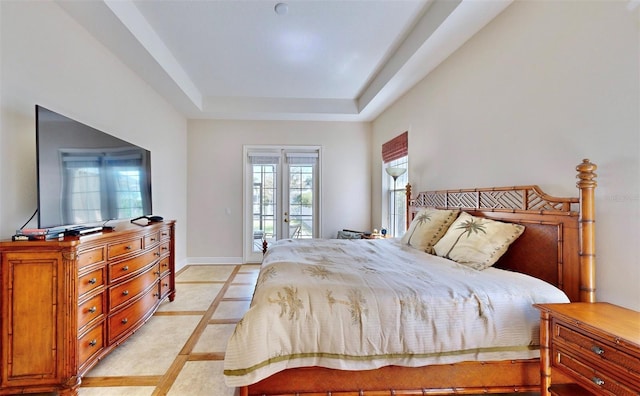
column 599, row 352
column 590, row 377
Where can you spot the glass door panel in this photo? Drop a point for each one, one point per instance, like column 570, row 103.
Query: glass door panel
column 264, row 225
column 301, row 201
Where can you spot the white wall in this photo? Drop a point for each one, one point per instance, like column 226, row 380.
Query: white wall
column 543, row 86
column 215, row 177
column 48, row 59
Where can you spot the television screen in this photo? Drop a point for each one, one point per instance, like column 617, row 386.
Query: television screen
column 86, row 176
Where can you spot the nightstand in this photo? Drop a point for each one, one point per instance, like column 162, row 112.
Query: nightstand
column 597, row 345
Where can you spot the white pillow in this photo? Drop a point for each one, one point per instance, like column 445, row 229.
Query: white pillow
column 427, row 227
column 476, row 241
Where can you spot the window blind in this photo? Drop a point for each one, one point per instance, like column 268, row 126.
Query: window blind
column 396, row 148
column 264, row 158
column 302, row 158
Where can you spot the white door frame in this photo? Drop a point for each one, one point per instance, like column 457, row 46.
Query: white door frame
column 248, row 255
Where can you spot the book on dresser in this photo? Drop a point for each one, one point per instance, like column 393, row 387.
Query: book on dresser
column 597, row 345
column 68, row 302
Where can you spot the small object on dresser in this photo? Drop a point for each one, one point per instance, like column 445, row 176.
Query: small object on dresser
column 32, row 234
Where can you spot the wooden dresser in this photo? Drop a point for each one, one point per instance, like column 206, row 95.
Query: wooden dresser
column 595, row 344
column 67, row 303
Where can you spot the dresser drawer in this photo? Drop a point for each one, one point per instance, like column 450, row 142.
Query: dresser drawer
column 151, row 239
column 125, row 268
column 130, row 317
column 590, row 377
column 90, row 310
column 130, row 289
column 165, row 249
column 164, row 265
column 600, row 353
column 90, row 281
column 123, row 248
column 90, row 343
column 91, row 256
column 165, row 285
column 165, row 234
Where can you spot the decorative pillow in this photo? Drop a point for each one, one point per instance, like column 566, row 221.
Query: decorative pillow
column 477, row 242
column 427, row 227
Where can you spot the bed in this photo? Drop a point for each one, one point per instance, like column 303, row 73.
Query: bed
column 361, row 344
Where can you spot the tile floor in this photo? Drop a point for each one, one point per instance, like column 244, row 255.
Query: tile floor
column 180, row 350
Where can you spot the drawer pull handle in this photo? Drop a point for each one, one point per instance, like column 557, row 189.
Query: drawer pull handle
column 165, row 248
column 125, row 293
column 157, row 254
column 597, row 350
column 165, row 285
column 128, row 247
column 165, row 264
column 93, row 281
column 124, row 321
column 156, row 294
column 125, row 268
column 153, row 239
column 92, row 310
column 164, row 234
column 157, row 273
column 597, row 381
column 93, row 342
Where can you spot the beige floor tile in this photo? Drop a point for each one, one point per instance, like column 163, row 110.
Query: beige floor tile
column 201, row 378
column 214, row 338
column 246, row 278
column 231, row 309
column 117, row 391
column 151, row 350
column 239, row 291
column 192, row 297
column 200, row 273
column 250, row 268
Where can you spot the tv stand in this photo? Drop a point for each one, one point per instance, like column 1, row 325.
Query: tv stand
column 68, row 302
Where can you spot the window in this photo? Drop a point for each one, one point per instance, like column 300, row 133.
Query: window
column 397, row 197
column 395, row 158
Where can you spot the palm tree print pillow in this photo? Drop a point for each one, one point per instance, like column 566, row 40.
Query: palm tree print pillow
column 477, row 242
column 427, row 227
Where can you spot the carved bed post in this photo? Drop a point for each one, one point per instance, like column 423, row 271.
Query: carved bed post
column 407, row 207
column 587, row 185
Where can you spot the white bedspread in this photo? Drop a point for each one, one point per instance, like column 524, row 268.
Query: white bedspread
column 364, row 304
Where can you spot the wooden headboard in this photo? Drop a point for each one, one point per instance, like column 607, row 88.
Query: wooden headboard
column 558, row 244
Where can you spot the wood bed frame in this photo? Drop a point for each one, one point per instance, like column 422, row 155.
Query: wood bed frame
column 558, row 246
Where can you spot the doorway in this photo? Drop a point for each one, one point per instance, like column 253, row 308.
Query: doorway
column 282, row 196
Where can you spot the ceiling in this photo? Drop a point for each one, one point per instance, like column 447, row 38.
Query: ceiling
column 341, row 60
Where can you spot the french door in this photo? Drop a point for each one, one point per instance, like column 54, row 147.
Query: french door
column 281, row 196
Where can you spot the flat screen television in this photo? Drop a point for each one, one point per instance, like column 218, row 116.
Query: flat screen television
column 86, row 176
